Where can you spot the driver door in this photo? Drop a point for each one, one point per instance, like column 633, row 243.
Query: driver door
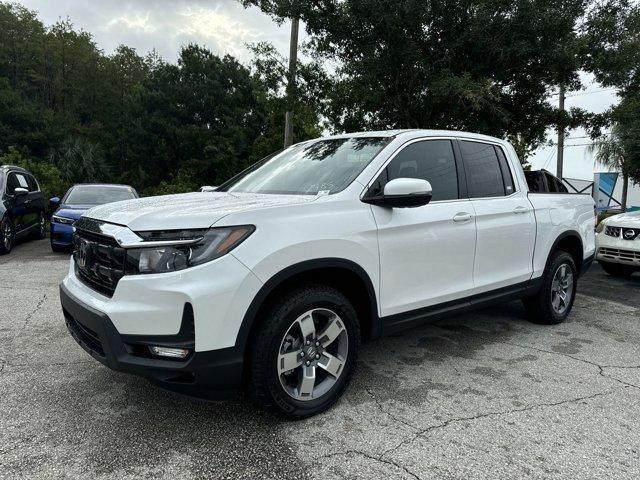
column 18, row 204
column 426, row 253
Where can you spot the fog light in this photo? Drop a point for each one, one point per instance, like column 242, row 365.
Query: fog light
column 169, row 352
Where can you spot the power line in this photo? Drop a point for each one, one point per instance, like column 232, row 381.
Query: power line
column 588, row 92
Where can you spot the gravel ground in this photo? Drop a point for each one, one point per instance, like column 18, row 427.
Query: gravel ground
column 485, row 395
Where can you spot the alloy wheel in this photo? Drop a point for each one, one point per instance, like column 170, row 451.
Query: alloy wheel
column 7, row 234
column 310, row 363
column 562, row 289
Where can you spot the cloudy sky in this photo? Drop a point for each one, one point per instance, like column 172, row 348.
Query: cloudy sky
column 224, row 26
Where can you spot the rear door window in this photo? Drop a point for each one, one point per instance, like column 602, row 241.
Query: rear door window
column 484, row 174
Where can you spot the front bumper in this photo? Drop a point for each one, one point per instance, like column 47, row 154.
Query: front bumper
column 212, row 375
column 617, row 250
column 61, row 234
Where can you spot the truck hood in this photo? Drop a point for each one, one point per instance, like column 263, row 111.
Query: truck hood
column 188, row 210
column 628, row 220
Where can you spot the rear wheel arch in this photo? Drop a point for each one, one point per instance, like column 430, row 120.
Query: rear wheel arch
column 570, row 242
column 346, row 276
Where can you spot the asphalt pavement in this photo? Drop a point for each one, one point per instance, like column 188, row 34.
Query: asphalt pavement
column 484, row 395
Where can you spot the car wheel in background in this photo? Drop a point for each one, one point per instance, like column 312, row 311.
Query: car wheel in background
column 7, row 235
column 553, row 302
column 41, row 231
column 616, row 269
column 304, row 352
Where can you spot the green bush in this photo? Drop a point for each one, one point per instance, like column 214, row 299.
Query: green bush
column 51, row 182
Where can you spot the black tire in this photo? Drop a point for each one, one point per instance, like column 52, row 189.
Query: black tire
column 264, row 385
column 540, row 308
column 616, row 269
column 6, row 242
column 40, row 232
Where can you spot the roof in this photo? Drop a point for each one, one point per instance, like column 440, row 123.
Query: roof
column 114, row 185
column 13, row 167
column 415, row 132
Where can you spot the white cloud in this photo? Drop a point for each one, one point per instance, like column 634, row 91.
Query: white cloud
column 224, row 26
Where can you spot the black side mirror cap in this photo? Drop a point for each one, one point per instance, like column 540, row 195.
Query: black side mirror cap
column 399, row 201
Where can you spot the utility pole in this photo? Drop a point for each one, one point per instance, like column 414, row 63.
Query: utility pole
column 291, row 85
column 560, row 133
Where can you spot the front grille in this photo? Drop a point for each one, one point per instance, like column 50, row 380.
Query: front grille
column 99, row 261
column 616, row 253
column 85, row 335
column 630, row 233
column 613, row 231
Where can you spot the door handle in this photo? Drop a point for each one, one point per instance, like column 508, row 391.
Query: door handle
column 462, row 217
column 520, row 209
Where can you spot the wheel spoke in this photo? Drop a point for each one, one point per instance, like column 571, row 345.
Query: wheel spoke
column 555, row 301
column 307, row 326
column 563, row 297
column 289, row 361
column 331, row 364
column 307, row 381
column 331, row 332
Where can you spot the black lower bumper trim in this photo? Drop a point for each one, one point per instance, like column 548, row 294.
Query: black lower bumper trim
column 586, row 264
column 213, row 375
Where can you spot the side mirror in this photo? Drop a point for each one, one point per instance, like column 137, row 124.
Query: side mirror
column 402, row 193
column 54, row 202
column 19, row 191
column 208, row 188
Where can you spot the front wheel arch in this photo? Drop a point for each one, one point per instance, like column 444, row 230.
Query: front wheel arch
column 354, row 283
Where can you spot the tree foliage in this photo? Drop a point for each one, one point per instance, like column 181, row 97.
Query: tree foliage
column 480, row 65
column 135, row 119
column 487, row 66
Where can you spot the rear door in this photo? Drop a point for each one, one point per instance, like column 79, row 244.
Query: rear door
column 36, row 200
column 504, row 218
column 426, row 253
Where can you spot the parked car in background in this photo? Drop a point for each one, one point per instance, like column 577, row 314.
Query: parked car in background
column 618, row 244
column 22, row 209
column 75, row 202
column 270, row 282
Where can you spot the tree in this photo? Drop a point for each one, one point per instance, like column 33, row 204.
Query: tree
column 479, row 65
column 80, row 161
column 271, row 70
column 610, row 153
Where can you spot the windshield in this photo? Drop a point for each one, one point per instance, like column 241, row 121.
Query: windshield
column 325, row 166
column 97, row 194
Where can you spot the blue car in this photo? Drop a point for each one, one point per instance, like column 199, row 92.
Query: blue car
column 78, row 200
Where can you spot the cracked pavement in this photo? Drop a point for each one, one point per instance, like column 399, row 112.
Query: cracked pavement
column 484, row 395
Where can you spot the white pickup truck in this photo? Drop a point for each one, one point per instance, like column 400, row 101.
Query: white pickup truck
column 269, row 283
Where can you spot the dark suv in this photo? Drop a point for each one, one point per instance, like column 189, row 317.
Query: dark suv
column 22, row 210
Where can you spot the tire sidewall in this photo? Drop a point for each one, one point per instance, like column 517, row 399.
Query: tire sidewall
column 284, row 318
column 4, row 250
column 558, row 260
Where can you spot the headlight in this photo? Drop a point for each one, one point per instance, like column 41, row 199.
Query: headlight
column 177, row 250
column 63, row 220
column 600, row 227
